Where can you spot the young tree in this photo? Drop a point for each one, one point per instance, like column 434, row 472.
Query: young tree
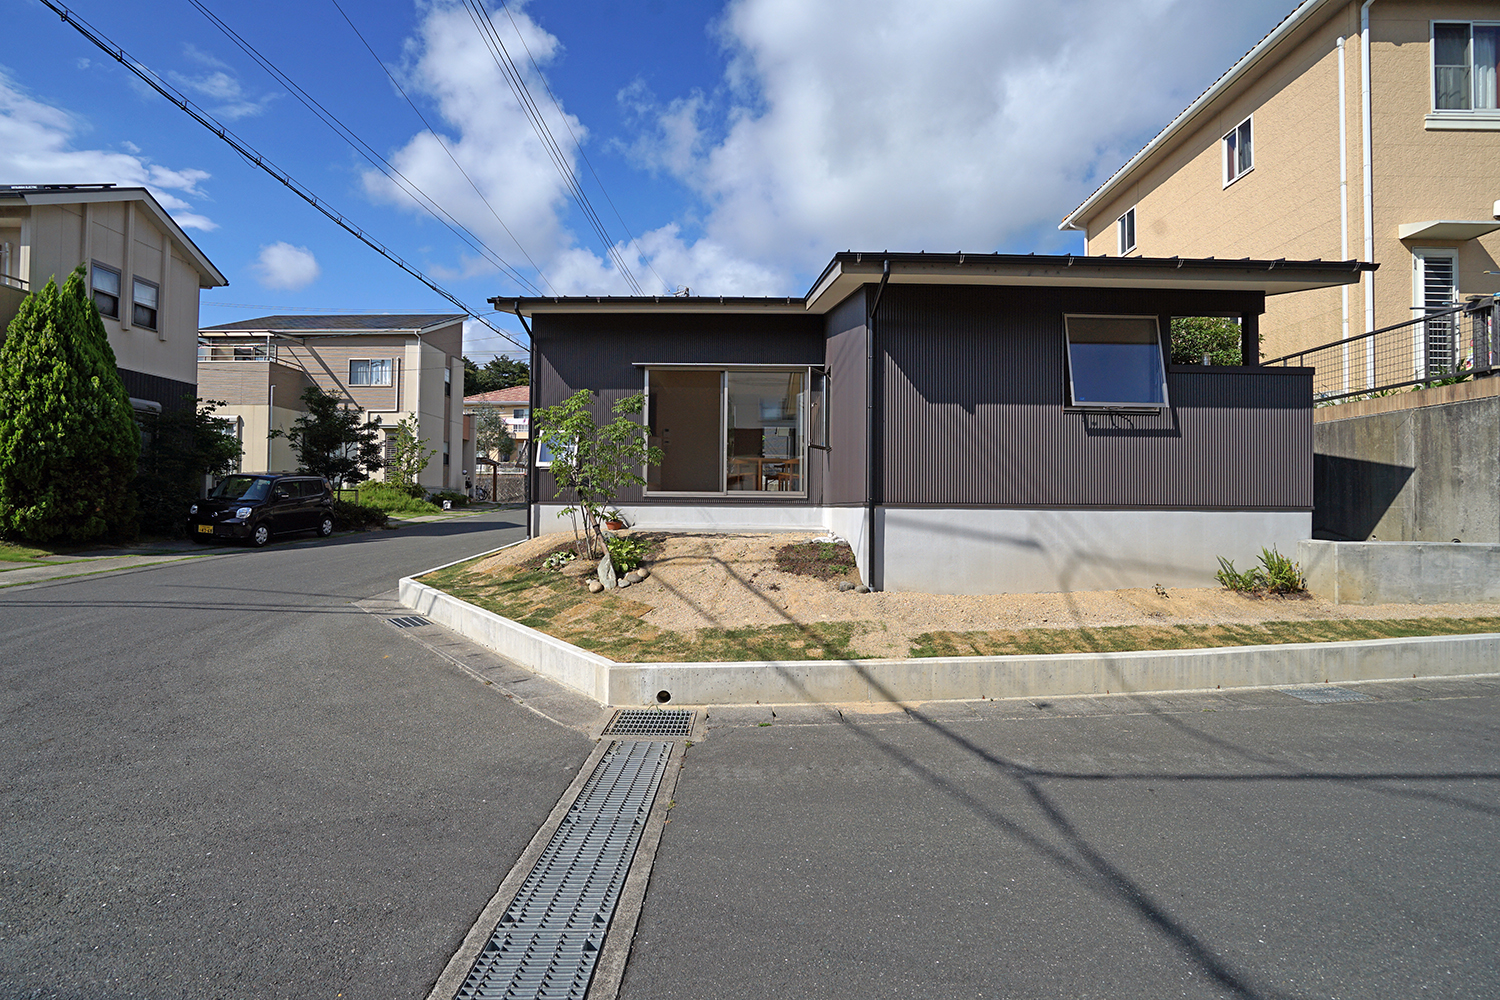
column 1195, row 336
column 410, row 454
column 491, row 436
column 68, row 437
column 593, row 462
column 500, row 372
column 181, row 447
column 332, row 442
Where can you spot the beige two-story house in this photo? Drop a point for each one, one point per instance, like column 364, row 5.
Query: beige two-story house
column 143, row 271
column 1366, row 130
column 393, row 367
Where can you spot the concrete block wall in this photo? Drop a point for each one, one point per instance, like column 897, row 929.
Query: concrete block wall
column 1401, row 572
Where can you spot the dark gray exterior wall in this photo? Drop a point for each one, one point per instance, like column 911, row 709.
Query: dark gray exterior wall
column 169, row 392
column 845, row 459
column 973, row 382
column 603, row 352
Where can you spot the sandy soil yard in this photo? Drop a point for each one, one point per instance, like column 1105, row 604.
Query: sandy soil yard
column 717, row 583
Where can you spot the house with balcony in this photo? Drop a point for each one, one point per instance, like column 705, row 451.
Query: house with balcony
column 143, row 271
column 393, row 367
column 513, row 406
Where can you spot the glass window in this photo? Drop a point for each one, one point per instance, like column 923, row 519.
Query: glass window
column 143, row 298
column 242, row 488
column 1239, row 153
column 734, row 431
column 107, row 291
column 1465, row 57
column 1126, row 226
column 1115, row 361
column 372, row 372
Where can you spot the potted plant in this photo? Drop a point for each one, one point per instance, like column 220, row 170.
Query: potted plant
column 614, row 520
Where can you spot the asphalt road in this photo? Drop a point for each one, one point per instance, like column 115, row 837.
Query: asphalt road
column 219, row 778
column 1220, row 845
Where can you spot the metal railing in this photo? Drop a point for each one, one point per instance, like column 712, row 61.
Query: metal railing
column 1437, row 347
column 11, row 281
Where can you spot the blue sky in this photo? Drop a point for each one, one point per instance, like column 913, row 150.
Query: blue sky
column 740, row 144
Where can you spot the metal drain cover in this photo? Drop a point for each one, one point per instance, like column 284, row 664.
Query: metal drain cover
column 651, row 722
column 548, row 941
column 1323, row 695
column 410, row 621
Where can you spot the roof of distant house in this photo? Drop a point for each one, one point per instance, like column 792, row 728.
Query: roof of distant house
column 515, row 394
column 341, row 324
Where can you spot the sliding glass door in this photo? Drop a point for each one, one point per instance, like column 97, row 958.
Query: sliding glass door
column 727, row 431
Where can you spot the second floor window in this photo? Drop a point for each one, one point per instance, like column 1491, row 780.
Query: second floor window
column 107, row 291
column 143, row 298
column 1239, row 152
column 1125, row 225
column 1465, row 58
column 376, row 371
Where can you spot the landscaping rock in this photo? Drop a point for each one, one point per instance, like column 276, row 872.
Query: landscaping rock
column 845, row 585
column 595, row 586
column 643, row 572
column 607, row 573
column 633, row 577
column 625, row 582
column 861, row 589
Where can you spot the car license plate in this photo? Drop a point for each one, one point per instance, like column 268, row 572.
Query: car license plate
column 205, row 529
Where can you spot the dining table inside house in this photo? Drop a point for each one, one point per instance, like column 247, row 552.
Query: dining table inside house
column 765, row 472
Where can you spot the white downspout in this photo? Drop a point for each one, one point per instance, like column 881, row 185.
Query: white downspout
column 1344, row 203
column 1367, row 278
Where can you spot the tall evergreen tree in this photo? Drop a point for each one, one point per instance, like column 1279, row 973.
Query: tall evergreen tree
column 333, row 441
column 68, row 437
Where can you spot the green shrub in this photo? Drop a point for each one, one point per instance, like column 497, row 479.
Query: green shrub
column 356, row 517
column 626, row 553
column 395, row 498
column 457, row 499
column 1276, row 573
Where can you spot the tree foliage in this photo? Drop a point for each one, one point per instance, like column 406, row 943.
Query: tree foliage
column 180, row 448
column 498, row 373
column 491, row 436
column 68, row 437
column 1195, row 336
column 592, row 462
column 332, row 441
column 409, row 454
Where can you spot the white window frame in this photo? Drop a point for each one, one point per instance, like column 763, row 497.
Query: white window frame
column 94, row 290
column 1419, row 258
column 1125, row 231
column 389, row 365
column 1458, row 118
column 1230, row 161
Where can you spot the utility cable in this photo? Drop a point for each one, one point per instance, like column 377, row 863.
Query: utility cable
column 579, row 146
column 374, row 158
column 244, row 149
column 436, row 135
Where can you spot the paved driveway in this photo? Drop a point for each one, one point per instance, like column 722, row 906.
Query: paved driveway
column 220, row 778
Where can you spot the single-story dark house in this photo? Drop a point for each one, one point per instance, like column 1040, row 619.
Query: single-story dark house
column 969, row 423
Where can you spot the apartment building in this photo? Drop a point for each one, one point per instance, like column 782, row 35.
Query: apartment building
column 393, row 367
column 1366, row 130
column 143, row 271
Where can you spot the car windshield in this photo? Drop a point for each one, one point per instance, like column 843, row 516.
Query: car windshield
column 242, row 488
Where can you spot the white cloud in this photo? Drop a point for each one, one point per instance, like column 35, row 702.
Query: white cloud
column 281, row 265
column 36, row 147
column 219, row 84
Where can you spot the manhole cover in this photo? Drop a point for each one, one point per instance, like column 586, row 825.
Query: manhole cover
column 410, row 621
column 1325, row 695
column 651, row 722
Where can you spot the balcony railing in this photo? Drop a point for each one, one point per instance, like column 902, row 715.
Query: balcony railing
column 10, row 281
column 1436, row 347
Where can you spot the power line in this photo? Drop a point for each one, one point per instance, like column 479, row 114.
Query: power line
column 513, row 77
column 411, row 189
column 579, row 146
column 203, row 118
column 436, row 135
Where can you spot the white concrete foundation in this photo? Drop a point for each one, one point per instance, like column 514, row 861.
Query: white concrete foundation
column 937, row 551
column 688, row 517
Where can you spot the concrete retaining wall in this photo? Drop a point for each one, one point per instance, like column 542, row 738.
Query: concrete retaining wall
column 953, row 678
column 1401, row 572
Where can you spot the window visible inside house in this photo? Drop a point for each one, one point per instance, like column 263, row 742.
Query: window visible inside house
column 1239, row 152
column 1125, row 227
column 728, row 431
column 143, row 297
column 447, row 381
column 106, row 288
column 375, row 371
column 1465, row 64
column 1115, row 361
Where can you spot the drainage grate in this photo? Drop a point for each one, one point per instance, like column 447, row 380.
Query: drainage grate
column 1324, row 695
column 410, row 621
column 549, row 938
column 651, row 722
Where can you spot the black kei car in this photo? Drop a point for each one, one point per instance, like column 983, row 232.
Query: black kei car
column 254, row 506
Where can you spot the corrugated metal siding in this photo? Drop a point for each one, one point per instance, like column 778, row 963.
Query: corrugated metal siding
column 169, row 392
column 846, row 453
column 601, row 352
column 974, row 382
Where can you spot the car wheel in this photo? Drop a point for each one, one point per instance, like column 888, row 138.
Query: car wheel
column 325, row 527
column 260, row 535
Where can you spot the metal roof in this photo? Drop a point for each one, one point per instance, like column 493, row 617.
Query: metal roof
column 339, row 324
